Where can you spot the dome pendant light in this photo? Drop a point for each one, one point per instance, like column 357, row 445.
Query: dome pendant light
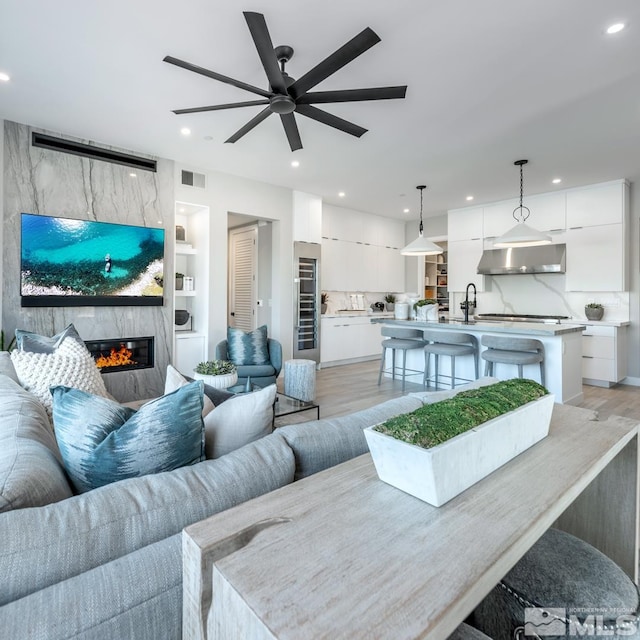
column 522, row 235
column 421, row 246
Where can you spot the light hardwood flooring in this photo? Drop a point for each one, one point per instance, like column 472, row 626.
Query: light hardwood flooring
column 352, row 387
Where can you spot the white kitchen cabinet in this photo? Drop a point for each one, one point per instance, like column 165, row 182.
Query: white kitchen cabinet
column 597, row 205
column 331, row 267
column 547, row 213
column 307, row 217
column 463, row 257
column 604, row 357
column 390, row 270
column 465, row 224
column 348, row 339
column 596, row 258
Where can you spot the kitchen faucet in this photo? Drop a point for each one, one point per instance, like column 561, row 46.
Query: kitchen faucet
column 466, row 301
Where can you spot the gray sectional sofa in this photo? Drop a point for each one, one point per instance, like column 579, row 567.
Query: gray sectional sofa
column 107, row 563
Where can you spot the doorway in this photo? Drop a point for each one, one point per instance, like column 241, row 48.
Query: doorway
column 243, row 259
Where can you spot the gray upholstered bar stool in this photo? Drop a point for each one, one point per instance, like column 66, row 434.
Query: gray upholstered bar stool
column 518, row 351
column 448, row 343
column 402, row 339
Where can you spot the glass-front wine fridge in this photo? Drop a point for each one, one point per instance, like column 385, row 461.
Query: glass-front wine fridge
column 306, row 322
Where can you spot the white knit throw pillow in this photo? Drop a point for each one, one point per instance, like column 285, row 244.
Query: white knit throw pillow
column 70, row 365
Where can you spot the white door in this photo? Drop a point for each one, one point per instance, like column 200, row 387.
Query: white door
column 243, row 259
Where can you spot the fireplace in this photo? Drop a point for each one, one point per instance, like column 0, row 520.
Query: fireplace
column 122, row 354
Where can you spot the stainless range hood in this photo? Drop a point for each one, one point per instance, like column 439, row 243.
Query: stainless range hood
column 550, row 258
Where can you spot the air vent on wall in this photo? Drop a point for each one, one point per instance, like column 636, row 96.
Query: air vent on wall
column 89, row 151
column 191, row 179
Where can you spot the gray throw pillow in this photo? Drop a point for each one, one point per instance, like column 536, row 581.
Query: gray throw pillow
column 35, row 343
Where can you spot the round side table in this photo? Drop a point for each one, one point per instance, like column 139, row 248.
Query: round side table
column 300, row 379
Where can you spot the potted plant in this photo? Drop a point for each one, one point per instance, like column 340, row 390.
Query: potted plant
column 426, row 310
column 390, row 301
column 594, row 311
column 179, row 281
column 441, row 449
column 324, row 298
column 220, row 374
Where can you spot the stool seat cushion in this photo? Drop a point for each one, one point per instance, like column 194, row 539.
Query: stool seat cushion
column 443, row 349
column 401, row 343
column 560, row 572
column 511, row 357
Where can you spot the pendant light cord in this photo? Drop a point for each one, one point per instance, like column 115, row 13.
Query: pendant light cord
column 422, row 188
column 522, row 216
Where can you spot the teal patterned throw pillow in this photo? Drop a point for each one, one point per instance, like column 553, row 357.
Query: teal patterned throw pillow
column 102, row 441
column 248, row 348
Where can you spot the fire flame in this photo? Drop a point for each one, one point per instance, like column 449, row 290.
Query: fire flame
column 117, row 358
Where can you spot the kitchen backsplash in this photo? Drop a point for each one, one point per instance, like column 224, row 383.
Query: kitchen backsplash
column 542, row 294
column 340, row 300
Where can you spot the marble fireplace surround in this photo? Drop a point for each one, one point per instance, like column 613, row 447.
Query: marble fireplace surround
column 48, row 182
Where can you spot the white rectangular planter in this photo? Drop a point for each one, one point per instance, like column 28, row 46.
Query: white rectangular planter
column 438, row 474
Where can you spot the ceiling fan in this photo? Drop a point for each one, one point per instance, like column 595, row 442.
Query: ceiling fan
column 286, row 95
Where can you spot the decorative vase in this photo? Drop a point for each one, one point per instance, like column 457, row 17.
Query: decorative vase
column 179, row 283
column 323, row 307
column 440, row 473
column 223, row 381
column 427, row 313
column 594, row 313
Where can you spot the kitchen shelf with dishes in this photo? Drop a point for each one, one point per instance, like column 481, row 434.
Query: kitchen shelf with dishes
column 435, row 278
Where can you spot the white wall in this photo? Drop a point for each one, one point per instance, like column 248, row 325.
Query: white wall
column 226, row 194
column 1, row 202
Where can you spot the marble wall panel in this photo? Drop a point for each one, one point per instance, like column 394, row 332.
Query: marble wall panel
column 48, row 182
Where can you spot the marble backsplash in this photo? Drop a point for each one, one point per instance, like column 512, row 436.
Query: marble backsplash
column 47, row 182
column 541, row 295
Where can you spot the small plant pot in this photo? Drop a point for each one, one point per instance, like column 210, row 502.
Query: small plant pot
column 594, row 313
column 223, row 381
column 179, row 284
column 323, row 308
column 390, row 306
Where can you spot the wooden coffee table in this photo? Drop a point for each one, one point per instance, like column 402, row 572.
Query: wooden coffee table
column 341, row 554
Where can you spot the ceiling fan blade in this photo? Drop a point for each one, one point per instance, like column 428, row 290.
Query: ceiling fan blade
column 255, row 121
column 220, row 107
column 330, row 119
column 260, row 34
column 291, row 129
column 353, row 95
column 216, row 76
column 338, row 59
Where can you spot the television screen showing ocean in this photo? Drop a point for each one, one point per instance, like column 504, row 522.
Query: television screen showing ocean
column 62, row 256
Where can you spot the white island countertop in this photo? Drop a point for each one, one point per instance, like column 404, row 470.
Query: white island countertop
column 562, row 353
column 528, row 328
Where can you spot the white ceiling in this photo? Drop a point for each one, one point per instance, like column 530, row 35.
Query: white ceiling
column 490, row 81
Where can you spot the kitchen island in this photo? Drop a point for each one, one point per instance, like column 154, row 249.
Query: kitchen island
column 562, row 344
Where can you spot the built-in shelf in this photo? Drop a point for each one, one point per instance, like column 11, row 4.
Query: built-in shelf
column 185, row 249
column 185, row 294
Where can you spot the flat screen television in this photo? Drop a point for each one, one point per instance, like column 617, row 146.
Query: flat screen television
column 67, row 262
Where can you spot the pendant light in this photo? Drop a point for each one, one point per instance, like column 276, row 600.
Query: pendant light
column 522, row 235
column 421, row 246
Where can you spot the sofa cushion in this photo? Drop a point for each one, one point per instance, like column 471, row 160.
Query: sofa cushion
column 242, row 419
column 70, row 365
column 137, row 596
column 248, row 348
column 102, row 441
column 321, row 444
column 7, row 368
column 31, row 471
column 46, row 545
column 35, row 343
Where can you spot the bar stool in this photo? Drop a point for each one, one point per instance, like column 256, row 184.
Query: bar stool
column 448, row 343
column 518, row 351
column 399, row 338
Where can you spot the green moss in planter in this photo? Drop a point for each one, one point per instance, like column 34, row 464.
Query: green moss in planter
column 436, row 423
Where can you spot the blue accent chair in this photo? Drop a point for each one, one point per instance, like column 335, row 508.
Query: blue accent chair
column 261, row 374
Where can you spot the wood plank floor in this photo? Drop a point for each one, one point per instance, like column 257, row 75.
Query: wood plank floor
column 352, row 387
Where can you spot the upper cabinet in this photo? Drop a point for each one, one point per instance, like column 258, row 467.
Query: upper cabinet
column 598, row 204
column 465, row 224
column 307, row 217
column 547, row 213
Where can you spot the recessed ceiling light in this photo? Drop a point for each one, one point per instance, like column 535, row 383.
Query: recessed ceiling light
column 181, row 210
column 4, row 77
column 405, row 211
column 341, row 194
column 295, row 163
column 615, row 28
column 133, row 175
column 557, row 180
column 469, row 198
column 159, row 221
column 185, row 131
